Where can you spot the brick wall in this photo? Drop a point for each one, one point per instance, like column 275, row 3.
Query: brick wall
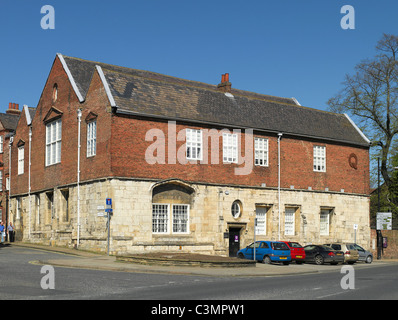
column 391, row 252
column 129, row 147
column 21, row 138
column 65, row 172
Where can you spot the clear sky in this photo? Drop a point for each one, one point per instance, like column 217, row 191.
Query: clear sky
column 287, row 48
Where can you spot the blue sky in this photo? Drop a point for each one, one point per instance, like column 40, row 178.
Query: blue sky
column 289, row 48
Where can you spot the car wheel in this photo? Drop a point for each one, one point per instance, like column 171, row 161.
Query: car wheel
column 319, row 259
column 267, row 260
column 369, row 259
column 241, row 255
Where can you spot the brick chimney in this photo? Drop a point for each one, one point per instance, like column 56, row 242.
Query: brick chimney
column 13, row 108
column 225, row 85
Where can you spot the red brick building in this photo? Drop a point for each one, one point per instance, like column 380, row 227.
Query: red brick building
column 188, row 165
column 8, row 124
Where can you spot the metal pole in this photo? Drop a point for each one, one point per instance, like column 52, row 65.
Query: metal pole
column 378, row 232
column 109, row 230
column 378, row 184
column 8, row 218
column 30, row 164
column 254, row 246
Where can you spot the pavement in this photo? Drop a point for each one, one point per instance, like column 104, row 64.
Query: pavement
column 72, row 258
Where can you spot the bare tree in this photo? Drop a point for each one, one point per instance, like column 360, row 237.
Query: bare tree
column 370, row 97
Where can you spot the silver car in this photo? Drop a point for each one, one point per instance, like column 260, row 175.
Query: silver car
column 351, row 255
column 364, row 255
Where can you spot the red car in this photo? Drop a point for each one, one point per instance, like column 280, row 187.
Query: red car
column 296, row 251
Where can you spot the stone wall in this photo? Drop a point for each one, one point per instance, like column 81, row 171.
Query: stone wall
column 210, row 219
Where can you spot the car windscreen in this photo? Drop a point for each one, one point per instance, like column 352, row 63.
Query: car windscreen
column 294, row 245
column 279, row 246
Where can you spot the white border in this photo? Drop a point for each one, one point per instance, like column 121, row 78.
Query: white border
column 27, row 115
column 106, row 86
column 359, row 130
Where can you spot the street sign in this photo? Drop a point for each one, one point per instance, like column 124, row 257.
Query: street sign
column 355, row 227
column 108, row 211
column 384, row 221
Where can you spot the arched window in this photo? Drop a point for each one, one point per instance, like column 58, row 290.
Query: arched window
column 55, row 92
column 171, row 203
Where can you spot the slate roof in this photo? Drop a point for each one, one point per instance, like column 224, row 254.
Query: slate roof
column 32, row 112
column 153, row 94
column 9, row 121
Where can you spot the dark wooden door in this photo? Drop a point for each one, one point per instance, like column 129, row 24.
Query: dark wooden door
column 234, row 241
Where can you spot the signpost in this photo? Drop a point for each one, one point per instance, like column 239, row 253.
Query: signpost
column 100, row 211
column 355, row 228
column 383, row 222
column 108, row 210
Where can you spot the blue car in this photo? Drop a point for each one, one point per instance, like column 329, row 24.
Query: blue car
column 267, row 252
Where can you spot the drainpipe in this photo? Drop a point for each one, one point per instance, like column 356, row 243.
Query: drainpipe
column 79, row 117
column 30, row 163
column 279, row 185
column 9, row 178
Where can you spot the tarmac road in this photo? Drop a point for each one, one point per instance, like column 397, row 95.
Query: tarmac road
column 96, row 277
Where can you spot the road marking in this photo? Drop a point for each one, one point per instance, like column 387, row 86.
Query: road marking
column 330, row 295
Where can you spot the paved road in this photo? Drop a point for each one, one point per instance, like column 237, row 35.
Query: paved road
column 21, row 279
